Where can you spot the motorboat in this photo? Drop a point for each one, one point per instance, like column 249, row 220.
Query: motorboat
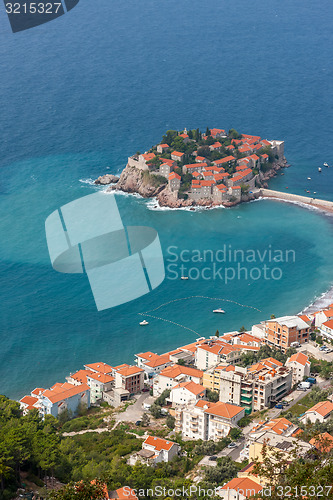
column 144, row 323
column 319, row 169
column 326, row 164
column 219, row 310
column 309, row 178
column 184, row 278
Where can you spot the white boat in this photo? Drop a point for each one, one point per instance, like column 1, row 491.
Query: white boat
column 309, row 178
column 219, row 310
column 144, row 323
column 184, row 278
column 319, row 169
column 326, row 164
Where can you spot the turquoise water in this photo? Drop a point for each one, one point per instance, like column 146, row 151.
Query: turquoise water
column 98, row 86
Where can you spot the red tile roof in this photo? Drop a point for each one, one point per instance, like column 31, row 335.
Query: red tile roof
column 300, row 358
column 177, row 153
column 99, row 367
column 191, row 387
column 159, row 443
column 59, row 392
column 148, row 156
column 173, row 175
column 224, row 160
column 128, row 371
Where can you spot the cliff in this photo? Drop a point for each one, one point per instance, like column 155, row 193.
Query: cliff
column 134, row 180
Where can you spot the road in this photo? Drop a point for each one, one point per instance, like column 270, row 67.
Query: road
column 134, row 411
column 313, row 351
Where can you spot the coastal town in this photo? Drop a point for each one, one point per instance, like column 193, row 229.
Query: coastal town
column 236, row 395
column 190, row 168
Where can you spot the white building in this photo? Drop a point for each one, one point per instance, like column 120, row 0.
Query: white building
column 173, row 375
column 186, row 392
column 300, row 365
column 239, row 488
column 320, row 412
column 61, row 397
column 155, row 450
column 205, row 420
column 152, row 363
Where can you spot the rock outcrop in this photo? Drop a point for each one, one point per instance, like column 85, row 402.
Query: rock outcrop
column 107, row 179
column 133, row 180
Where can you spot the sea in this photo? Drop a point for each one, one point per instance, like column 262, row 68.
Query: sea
column 82, row 93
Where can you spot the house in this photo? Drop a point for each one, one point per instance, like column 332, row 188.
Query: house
column 300, row 365
column 277, row 443
column 280, row 426
column 327, row 328
column 323, row 442
column 322, row 317
column 177, row 156
column 215, row 351
column 174, row 181
column 97, row 382
column 282, row 332
column 130, row 378
column 185, row 137
column 155, row 450
column 217, row 132
column 161, row 148
column 200, row 159
column 220, row 193
column 147, row 157
column 216, row 146
column 239, row 488
column 235, row 193
column 206, row 188
column 172, row 375
column 194, row 167
column 186, row 392
column 205, row 420
column 165, row 170
column 211, row 377
column 320, row 412
column 152, row 363
column 100, row 368
column 28, row 403
column 245, row 149
column 61, row 397
column 227, row 161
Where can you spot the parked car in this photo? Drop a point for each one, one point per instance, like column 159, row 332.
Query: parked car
column 312, row 380
column 145, row 389
column 279, row 406
column 213, row 458
column 285, row 403
column 232, row 445
column 137, row 423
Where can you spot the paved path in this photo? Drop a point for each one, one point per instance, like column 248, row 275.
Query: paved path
column 134, row 411
column 326, row 206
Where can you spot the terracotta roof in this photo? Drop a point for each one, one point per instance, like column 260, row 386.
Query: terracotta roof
column 159, row 443
column 323, row 442
column 329, row 323
column 201, row 158
column 177, row 153
column 243, row 483
column 195, row 165
column 99, row 367
column 59, row 391
column 247, row 136
column 125, row 493
column 101, row 377
column 129, row 371
column 30, row 401
column 148, row 156
column 323, row 408
column 224, row 160
column 184, row 136
column 277, row 425
column 190, row 386
column 244, row 149
column 304, row 317
column 300, row 358
column 225, row 410
column 173, row 175
column 215, row 131
column 265, row 142
column 168, row 161
column 216, row 145
column 207, row 183
column 81, row 376
column 176, row 370
column 37, row 391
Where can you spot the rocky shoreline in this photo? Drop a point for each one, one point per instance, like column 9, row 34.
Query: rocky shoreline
column 132, row 181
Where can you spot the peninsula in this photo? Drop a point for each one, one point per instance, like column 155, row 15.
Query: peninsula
column 191, row 168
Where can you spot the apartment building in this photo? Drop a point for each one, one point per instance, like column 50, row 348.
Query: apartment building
column 129, row 378
column 282, row 332
column 173, row 375
column 152, row 363
column 256, row 387
column 205, row 420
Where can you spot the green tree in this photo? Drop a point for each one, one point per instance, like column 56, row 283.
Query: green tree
column 82, row 490
column 217, row 333
column 170, row 422
column 145, row 420
column 181, row 362
column 212, row 396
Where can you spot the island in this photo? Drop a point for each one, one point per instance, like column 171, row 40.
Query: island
column 192, row 168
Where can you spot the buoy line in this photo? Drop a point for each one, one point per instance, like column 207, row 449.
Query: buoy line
column 147, row 313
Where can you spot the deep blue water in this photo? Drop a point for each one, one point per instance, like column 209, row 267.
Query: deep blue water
column 83, row 92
